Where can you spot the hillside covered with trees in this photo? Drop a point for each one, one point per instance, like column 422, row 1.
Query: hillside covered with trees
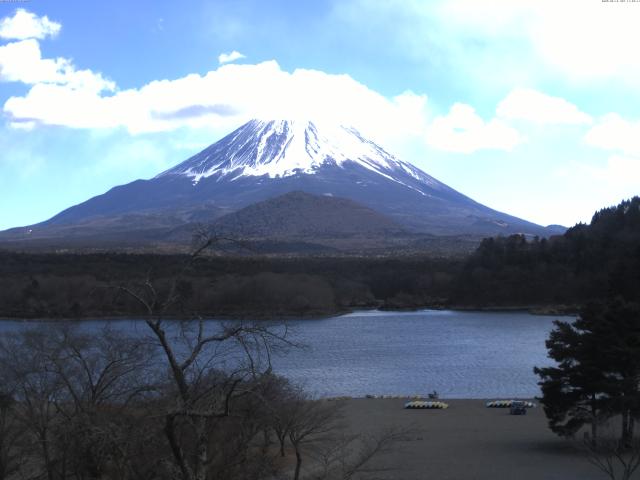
column 588, row 262
column 596, row 261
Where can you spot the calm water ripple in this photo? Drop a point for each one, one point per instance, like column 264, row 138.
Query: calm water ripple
column 459, row 354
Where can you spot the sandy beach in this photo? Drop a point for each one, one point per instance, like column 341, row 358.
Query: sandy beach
column 469, row 441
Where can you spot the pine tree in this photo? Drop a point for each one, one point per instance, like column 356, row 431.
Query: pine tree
column 597, row 375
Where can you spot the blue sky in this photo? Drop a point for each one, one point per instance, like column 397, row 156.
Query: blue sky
column 530, row 107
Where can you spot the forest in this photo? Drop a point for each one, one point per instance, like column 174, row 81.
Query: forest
column 590, row 261
column 595, row 261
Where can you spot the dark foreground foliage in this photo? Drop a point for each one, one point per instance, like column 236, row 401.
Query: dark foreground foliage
column 182, row 403
column 597, row 370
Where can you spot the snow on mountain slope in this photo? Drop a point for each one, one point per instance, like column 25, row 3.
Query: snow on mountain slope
column 266, row 159
column 282, row 148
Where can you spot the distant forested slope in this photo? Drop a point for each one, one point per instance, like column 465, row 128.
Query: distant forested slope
column 598, row 260
column 595, row 261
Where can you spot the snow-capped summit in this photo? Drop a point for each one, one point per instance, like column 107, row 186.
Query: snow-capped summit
column 282, row 148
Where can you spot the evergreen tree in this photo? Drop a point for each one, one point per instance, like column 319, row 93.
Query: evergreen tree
column 617, row 326
column 572, row 391
column 597, row 374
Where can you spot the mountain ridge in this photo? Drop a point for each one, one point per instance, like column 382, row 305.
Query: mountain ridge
column 266, row 159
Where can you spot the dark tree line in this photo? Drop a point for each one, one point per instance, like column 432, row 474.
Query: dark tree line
column 596, row 261
column 77, row 286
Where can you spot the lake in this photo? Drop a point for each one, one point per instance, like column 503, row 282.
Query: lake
column 458, row 354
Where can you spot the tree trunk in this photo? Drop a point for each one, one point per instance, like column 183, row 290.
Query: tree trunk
column 266, row 441
column 48, row 463
column 625, row 428
column 169, row 431
column 203, row 449
column 178, row 374
column 296, row 476
column 594, row 421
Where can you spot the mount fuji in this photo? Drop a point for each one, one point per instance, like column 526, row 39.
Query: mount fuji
column 266, row 159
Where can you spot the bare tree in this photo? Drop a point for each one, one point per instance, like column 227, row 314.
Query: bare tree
column 311, row 421
column 102, row 376
column 281, row 399
column 38, row 391
column 208, row 368
column 71, row 390
column 350, row 456
column 614, row 457
column 11, row 455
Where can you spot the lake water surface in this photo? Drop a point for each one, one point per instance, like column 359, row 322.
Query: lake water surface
column 458, row 354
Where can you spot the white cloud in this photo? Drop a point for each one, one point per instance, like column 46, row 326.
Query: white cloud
column 607, row 182
column 225, row 96
column 613, row 132
column 500, row 41
column 22, row 62
column 25, row 25
column 462, row 130
column 581, row 39
column 414, row 110
column 618, row 175
column 233, row 93
column 534, row 106
column 622, row 171
column 62, row 95
column 588, row 39
column 230, row 57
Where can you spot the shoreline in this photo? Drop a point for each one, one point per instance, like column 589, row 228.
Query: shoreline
column 425, row 398
column 542, row 310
